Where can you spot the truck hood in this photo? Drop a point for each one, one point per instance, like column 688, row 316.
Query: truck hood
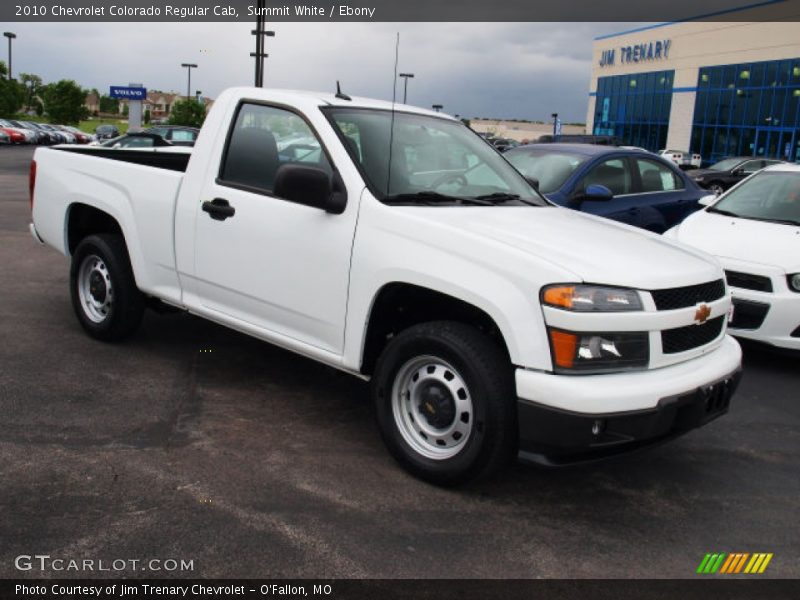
column 596, row 250
column 761, row 242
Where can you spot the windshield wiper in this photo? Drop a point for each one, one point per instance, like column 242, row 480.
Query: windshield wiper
column 505, row 197
column 435, row 197
column 781, row 221
column 724, row 213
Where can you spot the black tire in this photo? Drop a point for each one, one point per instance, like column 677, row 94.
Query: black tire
column 126, row 303
column 488, row 375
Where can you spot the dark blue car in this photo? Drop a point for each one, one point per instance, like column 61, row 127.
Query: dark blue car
column 627, row 185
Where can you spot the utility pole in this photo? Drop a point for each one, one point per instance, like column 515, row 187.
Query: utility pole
column 259, row 55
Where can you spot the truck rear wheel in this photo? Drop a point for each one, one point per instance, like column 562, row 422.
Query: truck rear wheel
column 445, row 402
column 104, row 294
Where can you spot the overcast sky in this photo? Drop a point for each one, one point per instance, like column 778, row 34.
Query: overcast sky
column 508, row 70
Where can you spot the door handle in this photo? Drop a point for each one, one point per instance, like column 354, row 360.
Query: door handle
column 219, row 209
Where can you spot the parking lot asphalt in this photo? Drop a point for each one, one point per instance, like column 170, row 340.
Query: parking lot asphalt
column 198, row 443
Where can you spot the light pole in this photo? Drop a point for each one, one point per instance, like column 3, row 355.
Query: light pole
column 555, row 123
column 10, row 37
column 437, row 107
column 406, row 77
column 189, row 67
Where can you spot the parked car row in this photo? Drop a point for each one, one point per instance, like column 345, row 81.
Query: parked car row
column 31, row 132
column 163, row 135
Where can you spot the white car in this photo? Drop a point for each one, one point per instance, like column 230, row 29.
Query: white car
column 682, row 158
column 754, row 231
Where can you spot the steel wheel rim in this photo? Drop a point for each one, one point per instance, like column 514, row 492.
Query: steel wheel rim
column 717, row 189
column 414, row 384
column 95, row 290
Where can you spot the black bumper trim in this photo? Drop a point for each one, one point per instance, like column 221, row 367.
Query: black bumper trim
column 556, row 437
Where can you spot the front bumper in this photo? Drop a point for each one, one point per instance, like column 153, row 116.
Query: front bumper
column 580, row 418
column 779, row 319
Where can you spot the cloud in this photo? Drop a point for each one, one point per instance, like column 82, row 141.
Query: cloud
column 524, row 70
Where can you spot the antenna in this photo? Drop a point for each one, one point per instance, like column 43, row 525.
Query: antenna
column 339, row 93
column 394, row 99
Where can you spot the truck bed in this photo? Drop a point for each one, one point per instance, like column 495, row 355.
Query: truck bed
column 138, row 188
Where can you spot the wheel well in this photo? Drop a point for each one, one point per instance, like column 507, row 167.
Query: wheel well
column 87, row 220
column 399, row 306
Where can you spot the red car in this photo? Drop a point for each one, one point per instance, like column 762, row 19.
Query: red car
column 14, row 136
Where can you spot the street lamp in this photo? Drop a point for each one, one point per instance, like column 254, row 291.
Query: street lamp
column 189, row 67
column 406, row 77
column 555, row 123
column 437, row 107
column 10, row 37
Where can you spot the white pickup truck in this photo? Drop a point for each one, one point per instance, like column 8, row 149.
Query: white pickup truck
column 393, row 243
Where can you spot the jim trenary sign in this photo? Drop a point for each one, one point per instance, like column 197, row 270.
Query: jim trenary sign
column 636, row 53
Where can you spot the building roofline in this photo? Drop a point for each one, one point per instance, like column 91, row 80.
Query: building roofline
column 694, row 18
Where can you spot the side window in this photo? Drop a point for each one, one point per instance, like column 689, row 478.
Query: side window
column 182, row 135
column 751, row 166
column 615, row 174
column 263, row 138
column 656, row 177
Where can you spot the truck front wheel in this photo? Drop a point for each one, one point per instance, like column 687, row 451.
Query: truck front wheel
column 445, row 402
column 104, row 294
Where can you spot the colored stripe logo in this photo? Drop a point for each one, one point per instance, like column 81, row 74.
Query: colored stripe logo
column 734, row 563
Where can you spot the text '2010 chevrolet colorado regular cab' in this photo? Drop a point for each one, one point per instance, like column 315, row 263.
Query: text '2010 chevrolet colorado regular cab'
column 398, row 246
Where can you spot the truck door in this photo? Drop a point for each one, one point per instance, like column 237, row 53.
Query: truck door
column 266, row 262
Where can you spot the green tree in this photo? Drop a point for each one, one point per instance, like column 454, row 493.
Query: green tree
column 63, row 102
column 187, row 112
column 12, row 93
column 33, row 85
column 147, row 116
column 125, row 110
column 109, row 104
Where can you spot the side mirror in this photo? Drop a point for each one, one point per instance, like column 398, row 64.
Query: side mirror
column 707, row 200
column 595, row 191
column 311, row 186
column 533, row 182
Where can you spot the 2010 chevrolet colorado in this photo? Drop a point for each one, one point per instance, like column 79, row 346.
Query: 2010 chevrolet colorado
column 394, row 244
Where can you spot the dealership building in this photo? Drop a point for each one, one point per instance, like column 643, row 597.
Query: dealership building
column 720, row 88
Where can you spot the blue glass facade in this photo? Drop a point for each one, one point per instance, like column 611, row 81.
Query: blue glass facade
column 635, row 108
column 748, row 109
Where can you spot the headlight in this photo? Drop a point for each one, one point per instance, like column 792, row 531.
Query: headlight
column 794, row 282
column 591, row 298
column 587, row 353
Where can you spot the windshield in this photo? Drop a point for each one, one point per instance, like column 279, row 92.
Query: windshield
column 767, row 196
column 551, row 169
column 726, row 164
column 431, row 160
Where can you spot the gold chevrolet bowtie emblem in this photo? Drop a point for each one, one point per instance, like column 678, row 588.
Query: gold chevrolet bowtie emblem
column 701, row 314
